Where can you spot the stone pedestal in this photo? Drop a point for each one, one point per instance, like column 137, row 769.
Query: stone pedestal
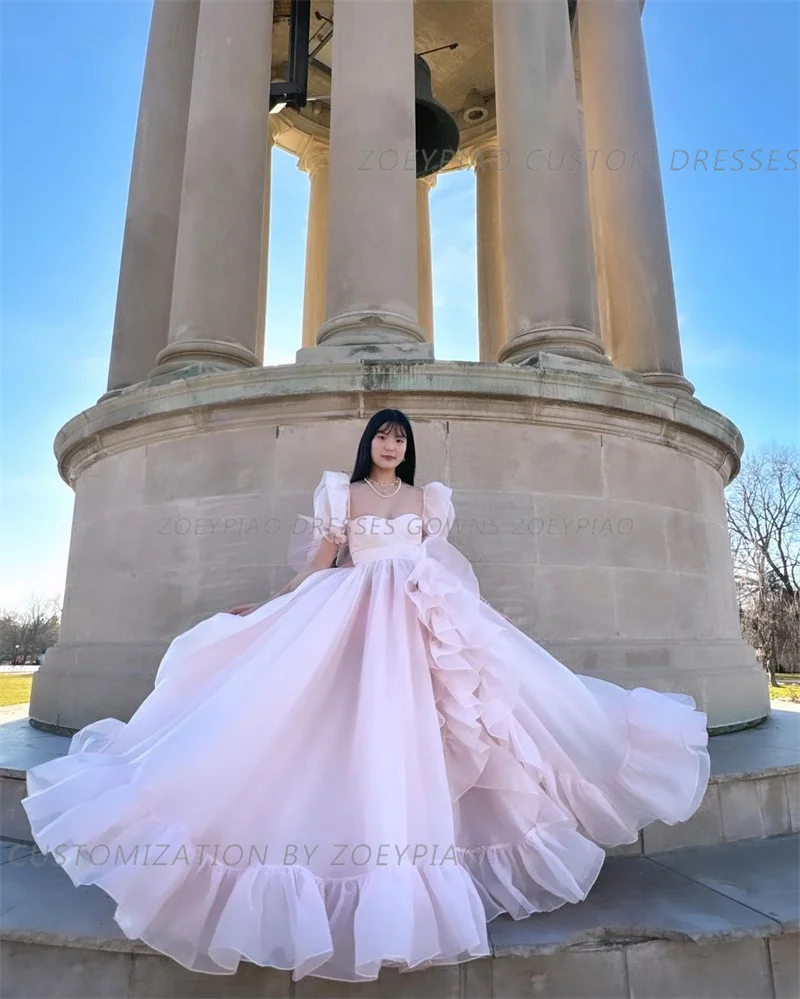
column 604, row 543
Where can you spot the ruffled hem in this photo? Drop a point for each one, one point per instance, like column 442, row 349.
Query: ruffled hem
column 665, row 769
column 663, row 777
column 208, row 915
column 546, row 869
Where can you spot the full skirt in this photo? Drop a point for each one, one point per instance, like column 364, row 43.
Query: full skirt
column 361, row 773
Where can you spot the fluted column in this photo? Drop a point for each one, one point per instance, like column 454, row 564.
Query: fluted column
column 544, row 202
column 215, row 303
column 372, row 299
column 424, row 261
column 144, row 292
column 487, row 162
column 314, row 160
column 636, row 291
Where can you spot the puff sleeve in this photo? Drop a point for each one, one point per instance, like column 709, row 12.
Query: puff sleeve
column 438, row 513
column 331, row 507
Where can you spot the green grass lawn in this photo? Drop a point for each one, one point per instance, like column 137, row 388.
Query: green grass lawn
column 15, row 689
column 786, row 692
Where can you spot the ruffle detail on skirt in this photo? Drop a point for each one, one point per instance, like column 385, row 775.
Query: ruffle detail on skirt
column 664, row 775
column 209, row 915
column 665, row 769
column 552, row 865
column 474, row 700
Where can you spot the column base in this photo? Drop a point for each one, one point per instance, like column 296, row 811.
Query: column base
column 669, row 381
column 218, row 355
column 567, row 341
column 369, row 328
column 342, row 354
column 545, row 360
column 368, row 336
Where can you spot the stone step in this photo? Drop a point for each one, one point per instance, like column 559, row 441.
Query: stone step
column 754, row 789
column 708, row 922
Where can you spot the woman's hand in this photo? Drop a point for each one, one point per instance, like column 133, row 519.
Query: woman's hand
column 243, row 609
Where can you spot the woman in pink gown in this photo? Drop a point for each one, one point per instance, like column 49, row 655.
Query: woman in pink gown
column 367, row 768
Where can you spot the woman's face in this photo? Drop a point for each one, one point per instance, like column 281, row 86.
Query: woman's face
column 388, row 447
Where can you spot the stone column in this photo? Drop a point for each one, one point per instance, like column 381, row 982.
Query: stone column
column 486, row 162
column 371, row 300
column 544, row 201
column 424, row 261
column 215, row 302
column 144, row 293
column 314, row 160
column 636, row 292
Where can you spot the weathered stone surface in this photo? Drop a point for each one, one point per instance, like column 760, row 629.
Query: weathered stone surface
column 741, row 810
column 32, row 971
column 14, row 851
column 784, row 954
column 664, row 969
column 704, row 827
column 570, row 974
column 774, row 803
column 13, row 820
column 478, row 978
column 793, row 795
column 634, row 898
column 761, row 874
column 156, row 976
column 444, row 982
column 770, row 747
column 39, row 904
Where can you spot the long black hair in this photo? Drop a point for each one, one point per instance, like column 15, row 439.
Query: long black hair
column 386, row 419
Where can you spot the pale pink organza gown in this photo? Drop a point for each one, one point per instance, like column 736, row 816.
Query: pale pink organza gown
column 426, row 765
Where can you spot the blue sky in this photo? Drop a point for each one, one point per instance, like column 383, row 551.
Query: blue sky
column 723, row 77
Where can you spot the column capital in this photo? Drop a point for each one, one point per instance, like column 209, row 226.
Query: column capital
column 487, row 155
column 477, row 153
column 277, row 125
column 314, row 156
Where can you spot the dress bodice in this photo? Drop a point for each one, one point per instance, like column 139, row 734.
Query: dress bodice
column 370, row 536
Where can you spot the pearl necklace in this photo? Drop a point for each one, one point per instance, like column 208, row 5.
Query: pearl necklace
column 374, row 488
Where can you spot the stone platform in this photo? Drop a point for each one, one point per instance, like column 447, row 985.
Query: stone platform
column 703, row 910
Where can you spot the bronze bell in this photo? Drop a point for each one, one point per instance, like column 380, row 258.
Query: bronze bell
column 437, row 132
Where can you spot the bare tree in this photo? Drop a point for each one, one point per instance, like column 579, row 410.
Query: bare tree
column 763, row 505
column 28, row 634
